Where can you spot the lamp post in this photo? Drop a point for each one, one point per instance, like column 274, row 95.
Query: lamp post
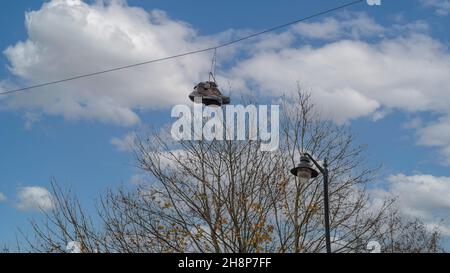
column 304, row 171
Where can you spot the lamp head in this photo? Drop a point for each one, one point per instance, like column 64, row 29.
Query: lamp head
column 304, row 169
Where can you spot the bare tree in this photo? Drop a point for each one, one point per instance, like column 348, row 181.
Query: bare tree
column 229, row 196
column 403, row 235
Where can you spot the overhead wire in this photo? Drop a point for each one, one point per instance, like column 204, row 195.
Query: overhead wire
column 182, row 54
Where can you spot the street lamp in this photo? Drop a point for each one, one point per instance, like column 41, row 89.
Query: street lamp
column 304, row 171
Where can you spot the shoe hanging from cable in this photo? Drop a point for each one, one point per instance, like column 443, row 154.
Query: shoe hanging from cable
column 208, row 92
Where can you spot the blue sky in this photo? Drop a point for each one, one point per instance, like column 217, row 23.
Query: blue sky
column 66, row 131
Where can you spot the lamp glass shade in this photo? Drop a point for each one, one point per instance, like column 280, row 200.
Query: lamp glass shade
column 304, row 174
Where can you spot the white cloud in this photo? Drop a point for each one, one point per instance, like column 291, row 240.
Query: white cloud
column 443, row 228
column 69, row 37
column 423, row 196
column 414, row 123
column 400, row 68
column 437, row 134
column 34, row 199
column 445, row 152
column 73, row 247
column 2, row 197
column 380, row 114
column 126, row 143
column 30, row 119
column 353, row 78
column 345, row 25
column 404, row 70
column 442, row 6
column 327, row 29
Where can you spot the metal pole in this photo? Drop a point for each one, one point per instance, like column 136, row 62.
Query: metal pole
column 324, row 170
column 326, row 206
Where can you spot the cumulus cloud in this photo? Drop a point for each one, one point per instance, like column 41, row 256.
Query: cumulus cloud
column 359, row 68
column 402, row 69
column 345, row 25
column 124, row 144
column 414, row 123
column 442, row 7
column 437, row 134
column 352, row 78
column 30, row 119
column 70, row 37
column 2, row 197
column 34, row 198
column 421, row 196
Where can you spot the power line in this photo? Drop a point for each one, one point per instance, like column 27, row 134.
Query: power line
column 183, row 54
